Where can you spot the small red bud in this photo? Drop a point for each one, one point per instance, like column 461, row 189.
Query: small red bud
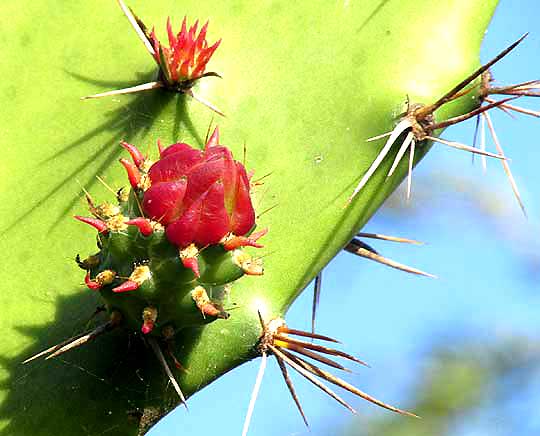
column 136, row 155
column 143, row 224
column 134, row 175
column 233, row 242
column 105, row 277
column 209, row 309
column 188, row 256
column 91, row 283
column 128, row 285
column 193, row 264
column 205, row 305
column 139, row 275
column 149, row 316
column 99, row 225
column 147, row 327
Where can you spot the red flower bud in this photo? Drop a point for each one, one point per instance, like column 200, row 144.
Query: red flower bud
column 187, row 55
column 199, row 197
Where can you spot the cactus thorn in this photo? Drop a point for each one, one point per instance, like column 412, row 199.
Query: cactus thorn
column 316, row 297
column 204, row 102
column 259, row 181
column 78, row 340
column 168, row 333
column 410, row 168
column 358, row 248
column 419, row 118
column 104, row 183
column 291, row 362
column 161, row 358
column 213, row 141
column 275, row 340
column 393, row 136
column 292, row 390
column 268, row 209
column 285, row 341
column 459, row 119
column 312, row 370
column 286, row 330
column 137, row 26
column 208, row 129
column 254, row 393
column 464, row 147
column 529, row 88
column 52, row 349
column 505, row 164
column 409, row 139
column 388, row 238
column 131, row 90
column 451, row 95
column 511, row 107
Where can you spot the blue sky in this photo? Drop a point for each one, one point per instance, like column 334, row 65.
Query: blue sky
column 488, row 267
